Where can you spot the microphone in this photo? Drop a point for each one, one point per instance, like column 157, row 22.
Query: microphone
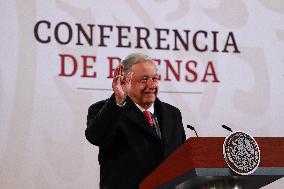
column 227, row 128
column 192, row 128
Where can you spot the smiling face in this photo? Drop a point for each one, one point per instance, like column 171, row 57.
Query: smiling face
column 144, row 84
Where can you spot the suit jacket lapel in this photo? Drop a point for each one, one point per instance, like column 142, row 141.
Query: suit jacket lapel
column 134, row 114
column 161, row 113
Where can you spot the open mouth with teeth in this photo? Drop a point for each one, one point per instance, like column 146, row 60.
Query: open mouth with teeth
column 150, row 92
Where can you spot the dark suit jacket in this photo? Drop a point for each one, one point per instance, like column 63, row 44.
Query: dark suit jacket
column 129, row 149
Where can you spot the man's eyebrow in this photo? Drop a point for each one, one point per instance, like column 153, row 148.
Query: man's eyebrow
column 145, row 75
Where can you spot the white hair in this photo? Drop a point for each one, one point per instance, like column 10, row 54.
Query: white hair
column 135, row 58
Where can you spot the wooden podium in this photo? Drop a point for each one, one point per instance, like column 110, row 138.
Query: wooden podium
column 199, row 163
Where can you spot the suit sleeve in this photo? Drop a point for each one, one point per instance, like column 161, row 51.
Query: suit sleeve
column 101, row 120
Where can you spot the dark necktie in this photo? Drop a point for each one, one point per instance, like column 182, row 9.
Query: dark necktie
column 148, row 115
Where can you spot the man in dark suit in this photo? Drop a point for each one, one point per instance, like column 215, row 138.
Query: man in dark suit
column 132, row 143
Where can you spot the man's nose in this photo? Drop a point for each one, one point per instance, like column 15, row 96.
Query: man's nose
column 152, row 84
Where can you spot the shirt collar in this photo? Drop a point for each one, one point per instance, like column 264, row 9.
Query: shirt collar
column 150, row 109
